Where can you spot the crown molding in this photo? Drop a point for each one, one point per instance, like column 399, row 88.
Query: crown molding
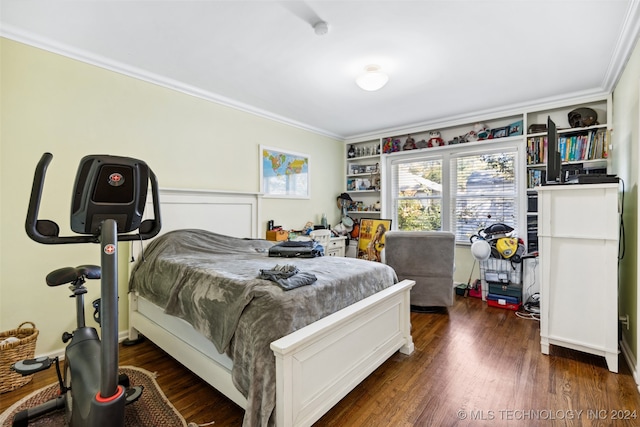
column 485, row 115
column 624, row 46
column 31, row 39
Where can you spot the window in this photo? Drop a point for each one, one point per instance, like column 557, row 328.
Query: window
column 483, row 192
column 417, row 194
column 460, row 189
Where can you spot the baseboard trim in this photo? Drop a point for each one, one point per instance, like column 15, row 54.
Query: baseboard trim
column 630, row 358
column 122, row 335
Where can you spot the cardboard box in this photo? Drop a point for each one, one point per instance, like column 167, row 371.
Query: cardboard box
column 277, row 235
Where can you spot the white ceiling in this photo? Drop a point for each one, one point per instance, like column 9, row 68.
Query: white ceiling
column 445, row 59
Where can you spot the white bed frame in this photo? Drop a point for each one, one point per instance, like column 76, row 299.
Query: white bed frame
column 317, row 365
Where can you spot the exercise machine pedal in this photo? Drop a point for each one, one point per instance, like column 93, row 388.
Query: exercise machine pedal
column 31, row 366
column 133, row 394
column 123, row 380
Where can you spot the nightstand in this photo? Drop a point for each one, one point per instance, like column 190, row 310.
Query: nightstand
column 336, row 246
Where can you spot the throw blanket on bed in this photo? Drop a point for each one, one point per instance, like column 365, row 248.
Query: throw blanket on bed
column 211, row 281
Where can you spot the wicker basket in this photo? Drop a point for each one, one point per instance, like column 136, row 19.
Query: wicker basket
column 16, row 351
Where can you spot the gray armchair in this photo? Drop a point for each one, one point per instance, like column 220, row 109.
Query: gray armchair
column 428, row 258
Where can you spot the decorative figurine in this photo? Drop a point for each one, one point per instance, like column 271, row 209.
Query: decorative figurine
column 388, row 146
column 352, row 152
column 482, row 131
column 375, row 179
column 435, row 140
column 409, row 144
column 471, row 136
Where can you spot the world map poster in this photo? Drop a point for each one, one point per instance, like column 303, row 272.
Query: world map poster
column 284, row 173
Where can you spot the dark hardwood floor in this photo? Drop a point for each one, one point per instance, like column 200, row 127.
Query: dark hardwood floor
column 475, row 366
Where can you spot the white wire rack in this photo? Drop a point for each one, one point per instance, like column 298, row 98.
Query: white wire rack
column 497, row 270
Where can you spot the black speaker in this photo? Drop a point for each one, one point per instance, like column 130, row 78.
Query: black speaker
column 109, row 187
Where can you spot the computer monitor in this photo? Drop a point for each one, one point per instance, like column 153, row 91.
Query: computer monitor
column 554, row 161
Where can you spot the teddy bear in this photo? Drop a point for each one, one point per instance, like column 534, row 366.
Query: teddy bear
column 435, row 140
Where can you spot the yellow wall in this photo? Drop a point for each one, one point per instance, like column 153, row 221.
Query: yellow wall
column 72, row 109
column 625, row 160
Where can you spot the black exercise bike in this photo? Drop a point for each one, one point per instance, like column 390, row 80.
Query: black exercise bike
column 108, row 204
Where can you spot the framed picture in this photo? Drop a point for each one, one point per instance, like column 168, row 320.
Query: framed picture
column 351, row 184
column 284, row 174
column 371, row 238
column 363, row 184
column 354, row 169
column 515, row 128
column 500, row 132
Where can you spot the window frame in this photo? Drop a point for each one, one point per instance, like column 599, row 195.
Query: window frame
column 445, row 155
column 440, row 198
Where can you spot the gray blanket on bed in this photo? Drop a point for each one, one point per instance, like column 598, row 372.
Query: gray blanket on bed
column 211, row 281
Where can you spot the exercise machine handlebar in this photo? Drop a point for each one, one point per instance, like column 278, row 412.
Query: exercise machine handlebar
column 46, row 231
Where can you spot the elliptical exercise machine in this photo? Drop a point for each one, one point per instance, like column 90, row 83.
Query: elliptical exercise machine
column 108, row 203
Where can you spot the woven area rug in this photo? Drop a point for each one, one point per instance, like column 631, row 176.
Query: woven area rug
column 152, row 409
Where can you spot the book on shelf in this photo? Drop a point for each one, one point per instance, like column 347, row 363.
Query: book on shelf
column 591, row 145
column 535, row 177
column 536, row 149
column 587, row 146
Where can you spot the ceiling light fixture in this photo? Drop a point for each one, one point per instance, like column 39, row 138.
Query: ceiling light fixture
column 372, row 78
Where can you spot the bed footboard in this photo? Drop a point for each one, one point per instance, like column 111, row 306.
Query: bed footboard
column 319, row 364
column 183, row 343
column 316, row 366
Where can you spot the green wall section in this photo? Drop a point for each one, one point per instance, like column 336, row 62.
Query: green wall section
column 625, row 162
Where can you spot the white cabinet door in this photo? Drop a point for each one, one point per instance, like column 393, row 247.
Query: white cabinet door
column 578, row 236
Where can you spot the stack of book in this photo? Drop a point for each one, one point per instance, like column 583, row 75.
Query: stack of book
column 589, row 145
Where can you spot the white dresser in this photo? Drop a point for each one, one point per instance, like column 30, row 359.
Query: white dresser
column 578, row 233
column 336, row 246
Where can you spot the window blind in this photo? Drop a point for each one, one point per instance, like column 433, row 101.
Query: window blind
column 485, row 191
column 454, row 189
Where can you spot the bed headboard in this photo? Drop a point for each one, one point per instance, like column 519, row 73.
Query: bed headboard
column 225, row 212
